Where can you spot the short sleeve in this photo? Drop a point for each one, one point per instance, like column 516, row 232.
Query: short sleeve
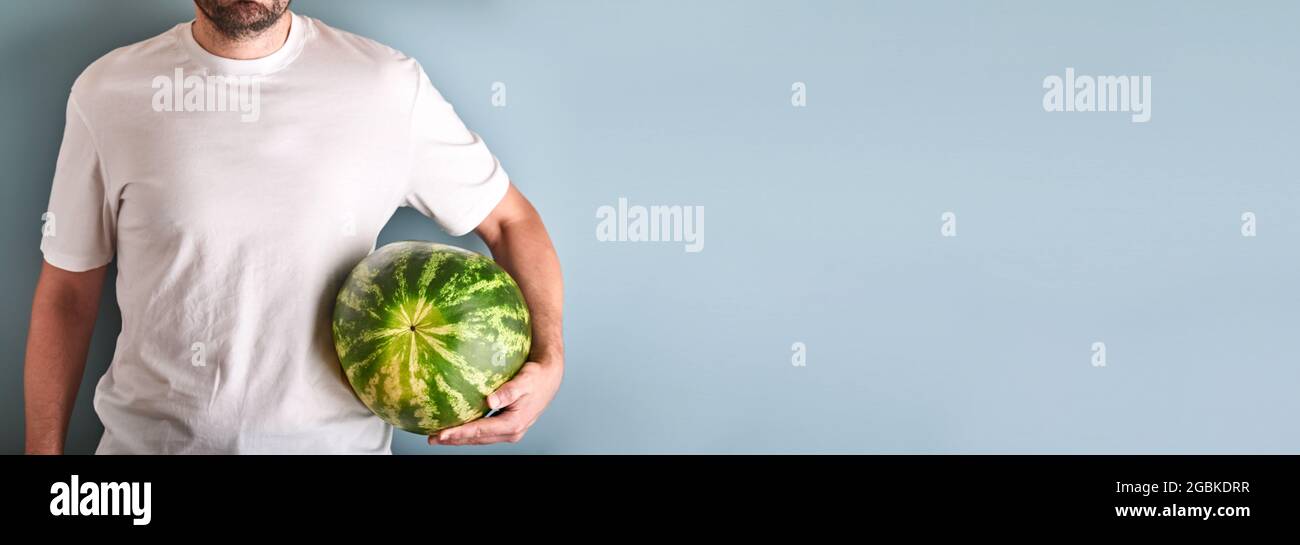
column 455, row 179
column 80, row 223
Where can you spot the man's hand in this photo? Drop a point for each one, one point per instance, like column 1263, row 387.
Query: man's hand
column 519, row 243
column 519, row 401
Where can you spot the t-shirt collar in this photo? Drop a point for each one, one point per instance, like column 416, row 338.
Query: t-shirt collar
column 264, row 65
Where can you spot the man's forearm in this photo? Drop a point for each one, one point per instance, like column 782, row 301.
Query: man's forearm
column 57, row 343
column 525, row 251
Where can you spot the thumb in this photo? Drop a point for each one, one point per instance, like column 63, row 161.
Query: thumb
column 507, row 394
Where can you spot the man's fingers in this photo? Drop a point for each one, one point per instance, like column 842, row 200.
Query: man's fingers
column 507, row 426
column 514, row 438
column 481, row 429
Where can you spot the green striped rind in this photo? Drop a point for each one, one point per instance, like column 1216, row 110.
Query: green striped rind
column 426, row 331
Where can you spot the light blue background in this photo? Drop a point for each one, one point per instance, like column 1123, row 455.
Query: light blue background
column 822, row 223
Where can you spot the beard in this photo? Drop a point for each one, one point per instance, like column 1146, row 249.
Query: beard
column 242, row 19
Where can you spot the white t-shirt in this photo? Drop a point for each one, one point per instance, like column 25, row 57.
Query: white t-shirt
column 236, row 203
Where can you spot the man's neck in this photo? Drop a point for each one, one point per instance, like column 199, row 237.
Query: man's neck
column 254, row 47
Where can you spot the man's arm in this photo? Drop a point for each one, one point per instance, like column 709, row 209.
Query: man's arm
column 519, row 243
column 63, row 317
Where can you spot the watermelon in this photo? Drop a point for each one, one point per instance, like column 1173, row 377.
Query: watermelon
column 426, row 331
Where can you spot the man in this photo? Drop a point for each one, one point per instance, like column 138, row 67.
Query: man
column 238, row 166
